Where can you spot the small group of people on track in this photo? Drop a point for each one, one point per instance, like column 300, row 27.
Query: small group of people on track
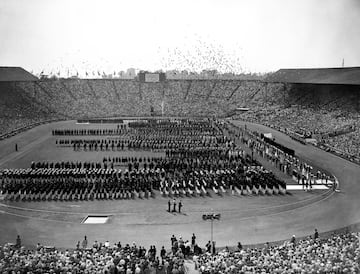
column 172, row 206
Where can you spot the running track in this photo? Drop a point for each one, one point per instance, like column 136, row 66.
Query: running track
column 249, row 220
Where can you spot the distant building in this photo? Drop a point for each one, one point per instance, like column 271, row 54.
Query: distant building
column 131, row 72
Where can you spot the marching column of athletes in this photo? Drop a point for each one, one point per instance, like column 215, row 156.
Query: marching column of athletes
column 198, row 158
column 299, row 170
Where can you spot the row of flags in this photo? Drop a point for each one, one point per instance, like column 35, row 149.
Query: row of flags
column 86, row 74
column 126, row 74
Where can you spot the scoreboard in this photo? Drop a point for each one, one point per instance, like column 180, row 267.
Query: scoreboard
column 148, row 77
column 152, row 77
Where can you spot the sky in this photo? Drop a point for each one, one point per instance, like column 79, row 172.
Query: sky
column 227, row 35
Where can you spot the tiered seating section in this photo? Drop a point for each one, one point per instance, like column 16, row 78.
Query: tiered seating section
column 336, row 254
column 317, row 110
column 90, row 258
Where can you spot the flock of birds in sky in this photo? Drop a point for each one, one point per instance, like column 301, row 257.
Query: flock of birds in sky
column 201, row 58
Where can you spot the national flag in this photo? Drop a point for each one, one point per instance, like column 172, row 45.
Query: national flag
column 211, row 216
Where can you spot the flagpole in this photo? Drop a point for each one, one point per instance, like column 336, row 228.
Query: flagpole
column 212, row 242
column 211, row 217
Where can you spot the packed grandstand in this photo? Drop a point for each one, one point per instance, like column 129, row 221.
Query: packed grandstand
column 329, row 113
column 201, row 153
column 337, row 253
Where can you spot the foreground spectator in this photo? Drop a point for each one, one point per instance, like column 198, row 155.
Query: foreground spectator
column 337, row 254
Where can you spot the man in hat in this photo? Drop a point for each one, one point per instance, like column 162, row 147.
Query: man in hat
column 193, row 239
column 293, row 240
column 316, row 234
column 18, row 242
column 84, row 243
column 180, row 206
column 174, row 205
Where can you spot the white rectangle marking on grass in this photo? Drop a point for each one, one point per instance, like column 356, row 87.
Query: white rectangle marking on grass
column 96, row 220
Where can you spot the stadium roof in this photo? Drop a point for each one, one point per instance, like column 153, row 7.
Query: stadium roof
column 344, row 76
column 8, row 74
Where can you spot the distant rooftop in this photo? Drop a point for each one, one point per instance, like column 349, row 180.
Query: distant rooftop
column 10, row 74
column 344, row 76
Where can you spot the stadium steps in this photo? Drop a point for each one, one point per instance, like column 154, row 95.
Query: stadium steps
column 211, row 91
column 233, row 92
column 115, row 91
column 252, row 96
column 68, row 90
column 92, row 91
column 140, row 91
column 48, row 93
column 187, row 90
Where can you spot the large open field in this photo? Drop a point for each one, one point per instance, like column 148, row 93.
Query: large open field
column 249, row 219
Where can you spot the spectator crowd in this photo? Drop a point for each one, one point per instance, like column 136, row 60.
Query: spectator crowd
column 98, row 257
column 335, row 131
column 340, row 253
column 325, row 116
column 337, row 253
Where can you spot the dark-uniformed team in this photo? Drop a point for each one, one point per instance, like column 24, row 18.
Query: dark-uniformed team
column 198, row 158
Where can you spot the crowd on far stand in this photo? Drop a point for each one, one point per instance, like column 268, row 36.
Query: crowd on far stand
column 332, row 122
column 336, row 131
